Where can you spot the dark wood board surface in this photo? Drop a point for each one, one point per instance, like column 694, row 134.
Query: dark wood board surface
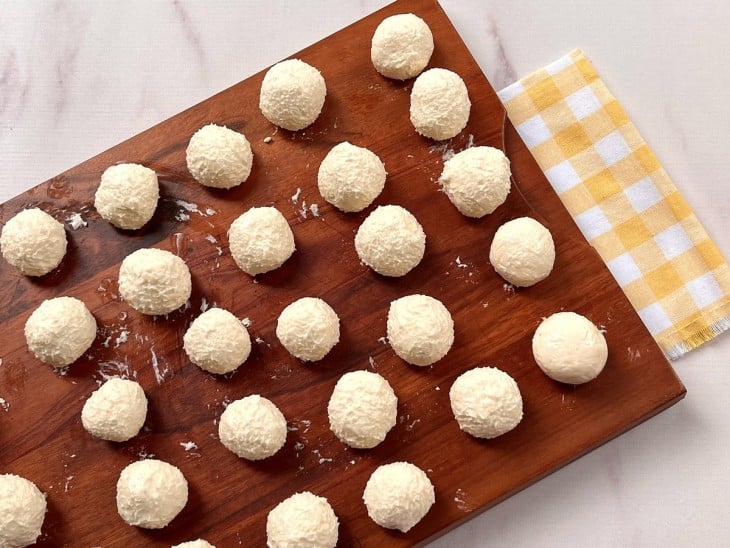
column 41, row 436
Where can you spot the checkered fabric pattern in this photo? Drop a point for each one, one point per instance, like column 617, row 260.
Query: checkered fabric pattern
column 623, row 201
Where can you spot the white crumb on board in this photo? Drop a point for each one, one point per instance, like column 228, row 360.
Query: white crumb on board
column 111, row 369
column 383, row 340
column 314, row 208
column 295, row 196
column 210, row 238
column 76, row 221
column 508, row 288
column 4, row 404
column 159, row 373
column 186, row 208
column 67, row 485
column 303, row 211
column 246, row 322
column 372, row 363
column 122, row 338
column 204, row 304
column 460, row 264
column 189, row 445
column 268, row 139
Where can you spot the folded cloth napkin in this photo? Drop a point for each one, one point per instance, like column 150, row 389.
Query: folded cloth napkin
column 623, row 201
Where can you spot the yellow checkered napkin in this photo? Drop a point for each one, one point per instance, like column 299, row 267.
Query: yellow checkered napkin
column 623, row 201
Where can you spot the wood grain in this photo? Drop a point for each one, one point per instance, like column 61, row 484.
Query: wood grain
column 41, row 436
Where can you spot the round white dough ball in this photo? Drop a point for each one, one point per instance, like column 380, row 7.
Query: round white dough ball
column 253, row 428
column 116, row 411
column 440, row 104
column 127, row 195
column 308, row 328
column 477, row 180
column 150, row 493
column 292, row 94
column 60, row 330
column 398, row 495
column 302, row 520
column 33, row 242
column 486, row 402
column 217, row 341
column 522, row 252
column 351, row 177
column 199, row 543
column 260, row 240
column 219, row 157
column 402, row 46
column 154, row 281
column 569, row 348
column 391, row 241
column 420, row 329
column 362, row 409
column 22, row 511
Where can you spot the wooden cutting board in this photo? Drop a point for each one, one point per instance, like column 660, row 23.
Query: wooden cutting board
column 41, row 436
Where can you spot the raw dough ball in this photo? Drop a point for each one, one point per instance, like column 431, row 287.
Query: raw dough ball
column 150, row 493
column 116, row 411
column 127, row 195
column 60, row 330
column 398, row 495
column 302, row 520
column 154, row 281
column 292, row 94
column 402, row 46
column 33, row 242
column 217, row 341
column 440, row 104
column 522, row 252
column 22, row 510
column 219, row 157
column 200, row 543
column 420, row 329
column 486, row 402
column 351, row 177
column 477, row 180
column 252, row 427
column 260, row 240
column 390, row 241
column 569, row 348
column 362, row 409
column 308, row 328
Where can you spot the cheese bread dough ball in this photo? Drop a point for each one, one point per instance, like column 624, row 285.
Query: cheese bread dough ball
column 477, row 180
column 440, row 104
column 351, row 177
column 486, row 402
column 217, row 341
column 390, row 241
column 522, row 252
column 33, row 242
column 150, row 493
column 60, row 330
column 304, row 520
column 199, row 543
column 402, row 46
column 308, row 328
column 260, row 240
column 362, row 409
column 22, row 511
column 127, row 195
column 398, row 495
column 154, row 281
column 420, row 329
column 569, row 348
column 253, row 428
column 292, row 94
column 116, row 411
column 219, row 157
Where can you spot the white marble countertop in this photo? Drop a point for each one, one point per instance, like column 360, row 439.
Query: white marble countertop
column 77, row 77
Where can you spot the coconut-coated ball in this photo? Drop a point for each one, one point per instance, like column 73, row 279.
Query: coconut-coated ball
column 33, row 242
column 292, row 94
column 199, row 543
column 116, row 411
column 260, row 240
column 440, row 104
column 22, row 511
column 253, row 428
column 401, row 46
column 217, row 341
column 303, row 520
column 420, row 329
column 127, row 195
column 350, row 177
column 219, row 157
column 308, row 328
column 522, row 252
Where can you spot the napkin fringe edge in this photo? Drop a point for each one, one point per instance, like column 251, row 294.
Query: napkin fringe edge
column 698, row 339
